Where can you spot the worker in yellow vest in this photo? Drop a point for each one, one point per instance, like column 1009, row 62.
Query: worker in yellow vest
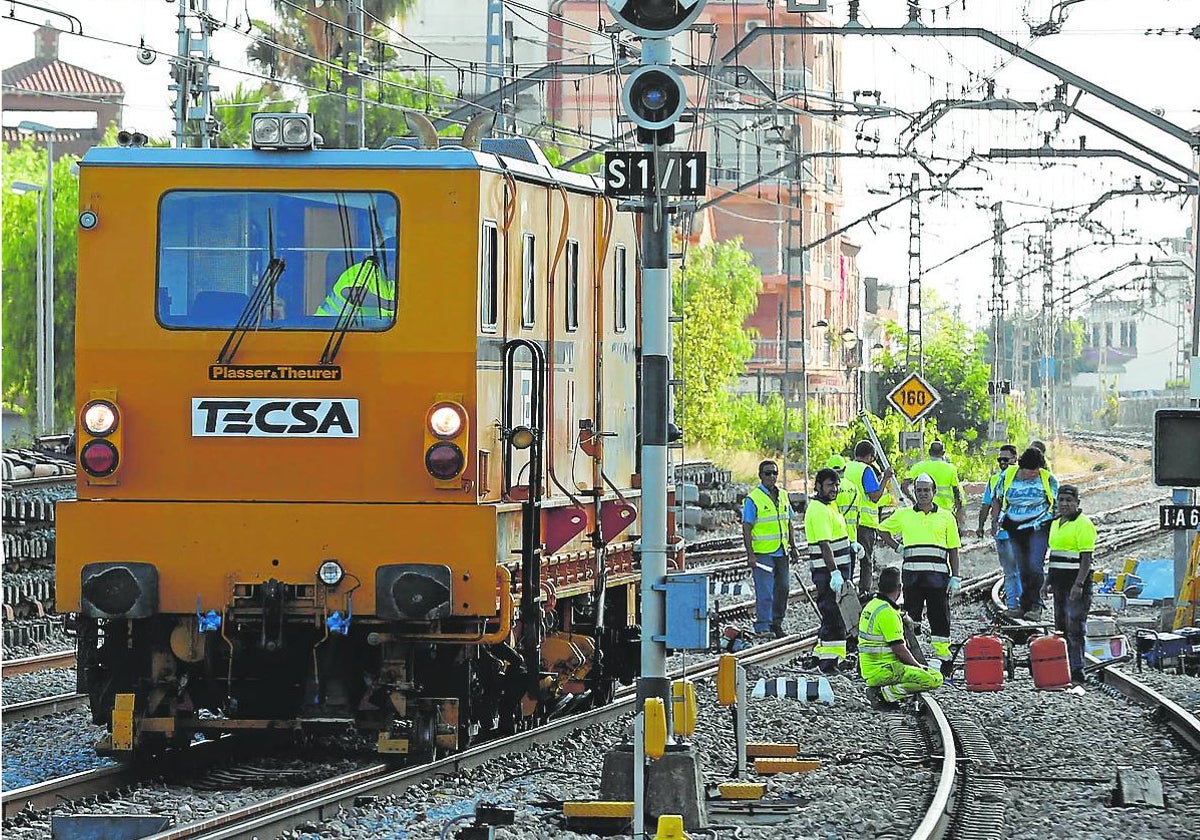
column 868, row 485
column 829, row 561
column 767, row 520
column 1072, row 544
column 930, row 561
column 884, row 660
column 945, row 475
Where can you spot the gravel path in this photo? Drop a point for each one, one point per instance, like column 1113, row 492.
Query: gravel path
column 22, row 687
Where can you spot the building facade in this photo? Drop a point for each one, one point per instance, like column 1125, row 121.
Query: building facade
column 77, row 102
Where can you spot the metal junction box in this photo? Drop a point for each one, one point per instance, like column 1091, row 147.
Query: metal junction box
column 687, row 611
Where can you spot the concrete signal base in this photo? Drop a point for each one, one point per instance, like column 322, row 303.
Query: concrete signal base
column 674, row 784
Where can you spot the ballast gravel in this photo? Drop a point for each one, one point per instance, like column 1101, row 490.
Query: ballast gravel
column 20, row 688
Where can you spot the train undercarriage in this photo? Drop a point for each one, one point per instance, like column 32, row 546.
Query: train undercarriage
column 413, row 690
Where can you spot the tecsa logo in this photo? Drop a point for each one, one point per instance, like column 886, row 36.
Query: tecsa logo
column 223, row 417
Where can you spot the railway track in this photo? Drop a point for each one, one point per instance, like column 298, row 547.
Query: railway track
column 32, row 664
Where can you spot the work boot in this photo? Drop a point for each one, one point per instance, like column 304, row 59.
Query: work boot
column 849, row 665
column 875, row 699
column 828, row 667
column 947, row 668
column 1014, row 612
column 1034, row 615
column 1078, row 677
column 778, row 632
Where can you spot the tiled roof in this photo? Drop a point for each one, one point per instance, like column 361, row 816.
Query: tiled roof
column 40, row 75
column 13, row 135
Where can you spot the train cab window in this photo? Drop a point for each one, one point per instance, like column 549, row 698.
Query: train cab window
column 620, row 291
column 489, row 272
column 328, row 252
column 528, row 282
column 572, row 284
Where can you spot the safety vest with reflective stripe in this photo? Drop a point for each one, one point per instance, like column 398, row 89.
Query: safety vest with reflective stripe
column 944, row 475
column 770, row 530
column 847, row 503
column 826, row 525
column 378, row 293
column 878, row 620
column 868, row 511
column 1068, row 541
column 927, row 536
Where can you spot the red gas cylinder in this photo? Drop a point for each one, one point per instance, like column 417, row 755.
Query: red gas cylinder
column 1048, row 661
column 984, row 663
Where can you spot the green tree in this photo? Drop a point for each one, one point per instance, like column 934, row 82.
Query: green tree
column 716, row 291
column 233, row 112
column 26, row 162
column 385, row 109
column 954, row 366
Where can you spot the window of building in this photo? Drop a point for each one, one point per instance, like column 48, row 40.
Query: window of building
column 528, row 282
column 1124, row 334
column 489, row 273
column 1133, row 334
column 572, row 291
column 1095, row 335
column 220, row 249
column 1108, row 334
column 620, row 291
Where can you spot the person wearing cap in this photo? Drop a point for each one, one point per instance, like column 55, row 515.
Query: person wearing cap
column 1072, row 544
column 930, row 561
column 1004, row 553
column 868, row 486
column 884, row 660
column 847, row 497
column 829, row 561
column 767, row 531
column 949, row 490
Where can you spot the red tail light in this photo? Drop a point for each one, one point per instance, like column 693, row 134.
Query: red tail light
column 99, row 458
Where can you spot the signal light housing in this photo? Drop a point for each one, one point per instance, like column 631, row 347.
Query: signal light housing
column 447, row 440
column 100, row 436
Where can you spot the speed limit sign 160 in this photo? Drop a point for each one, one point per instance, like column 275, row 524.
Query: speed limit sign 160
column 914, row 397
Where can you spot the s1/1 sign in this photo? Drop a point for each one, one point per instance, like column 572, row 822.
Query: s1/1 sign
column 634, row 174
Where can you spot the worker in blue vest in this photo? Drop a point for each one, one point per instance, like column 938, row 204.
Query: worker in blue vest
column 767, row 530
column 1024, row 507
column 1004, row 552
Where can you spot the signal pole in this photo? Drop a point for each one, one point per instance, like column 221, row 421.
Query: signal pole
column 654, row 97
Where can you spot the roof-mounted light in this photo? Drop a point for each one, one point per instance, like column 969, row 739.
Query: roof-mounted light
column 281, row 131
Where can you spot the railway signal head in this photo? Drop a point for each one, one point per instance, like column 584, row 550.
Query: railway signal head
column 100, row 437
column 447, row 436
column 656, row 18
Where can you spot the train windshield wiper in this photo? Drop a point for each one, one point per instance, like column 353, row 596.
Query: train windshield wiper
column 368, row 273
column 252, row 313
column 260, row 298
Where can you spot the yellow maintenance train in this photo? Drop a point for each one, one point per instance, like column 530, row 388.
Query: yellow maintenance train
column 356, row 441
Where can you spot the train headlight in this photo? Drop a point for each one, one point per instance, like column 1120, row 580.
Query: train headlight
column 447, row 440
column 446, row 420
column 100, row 418
column 281, row 131
column 266, row 131
column 331, row 573
column 100, row 435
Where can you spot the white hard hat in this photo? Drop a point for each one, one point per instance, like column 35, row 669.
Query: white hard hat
column 924, row 480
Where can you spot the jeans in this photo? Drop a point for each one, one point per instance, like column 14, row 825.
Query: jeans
column 771, row 588
column 1070, row 617
column 866, row 538
column 831, row 637
column 1029, row 552
column 1012, row 575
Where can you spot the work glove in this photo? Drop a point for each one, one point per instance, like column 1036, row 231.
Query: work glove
column 955, row 585
column 857, row 549
column 835, row 581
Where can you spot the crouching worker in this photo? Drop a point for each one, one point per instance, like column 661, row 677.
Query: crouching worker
column 884, row 660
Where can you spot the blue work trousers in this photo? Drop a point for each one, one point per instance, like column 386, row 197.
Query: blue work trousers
column 1070, row 617
column 1012, row 574
column 771, row 586
column 1029, row 551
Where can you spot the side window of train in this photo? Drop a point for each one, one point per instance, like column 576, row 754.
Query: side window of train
column 572, row 284
column 283, row 259
column 620, row 291
column 528, row 282
column 489, row 273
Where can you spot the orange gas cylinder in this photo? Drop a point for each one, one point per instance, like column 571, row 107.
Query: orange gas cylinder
column 984, row 663
column 1048, row 661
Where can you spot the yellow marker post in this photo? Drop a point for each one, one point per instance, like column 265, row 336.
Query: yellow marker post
column 656, row 728
column 683, row 707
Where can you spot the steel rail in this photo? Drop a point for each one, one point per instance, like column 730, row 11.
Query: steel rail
column 939, row 814
column 52, row 792
column 1183, row 722
column 35, row 482
column 323, row 800
column 33, row 664
column 42, row 706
